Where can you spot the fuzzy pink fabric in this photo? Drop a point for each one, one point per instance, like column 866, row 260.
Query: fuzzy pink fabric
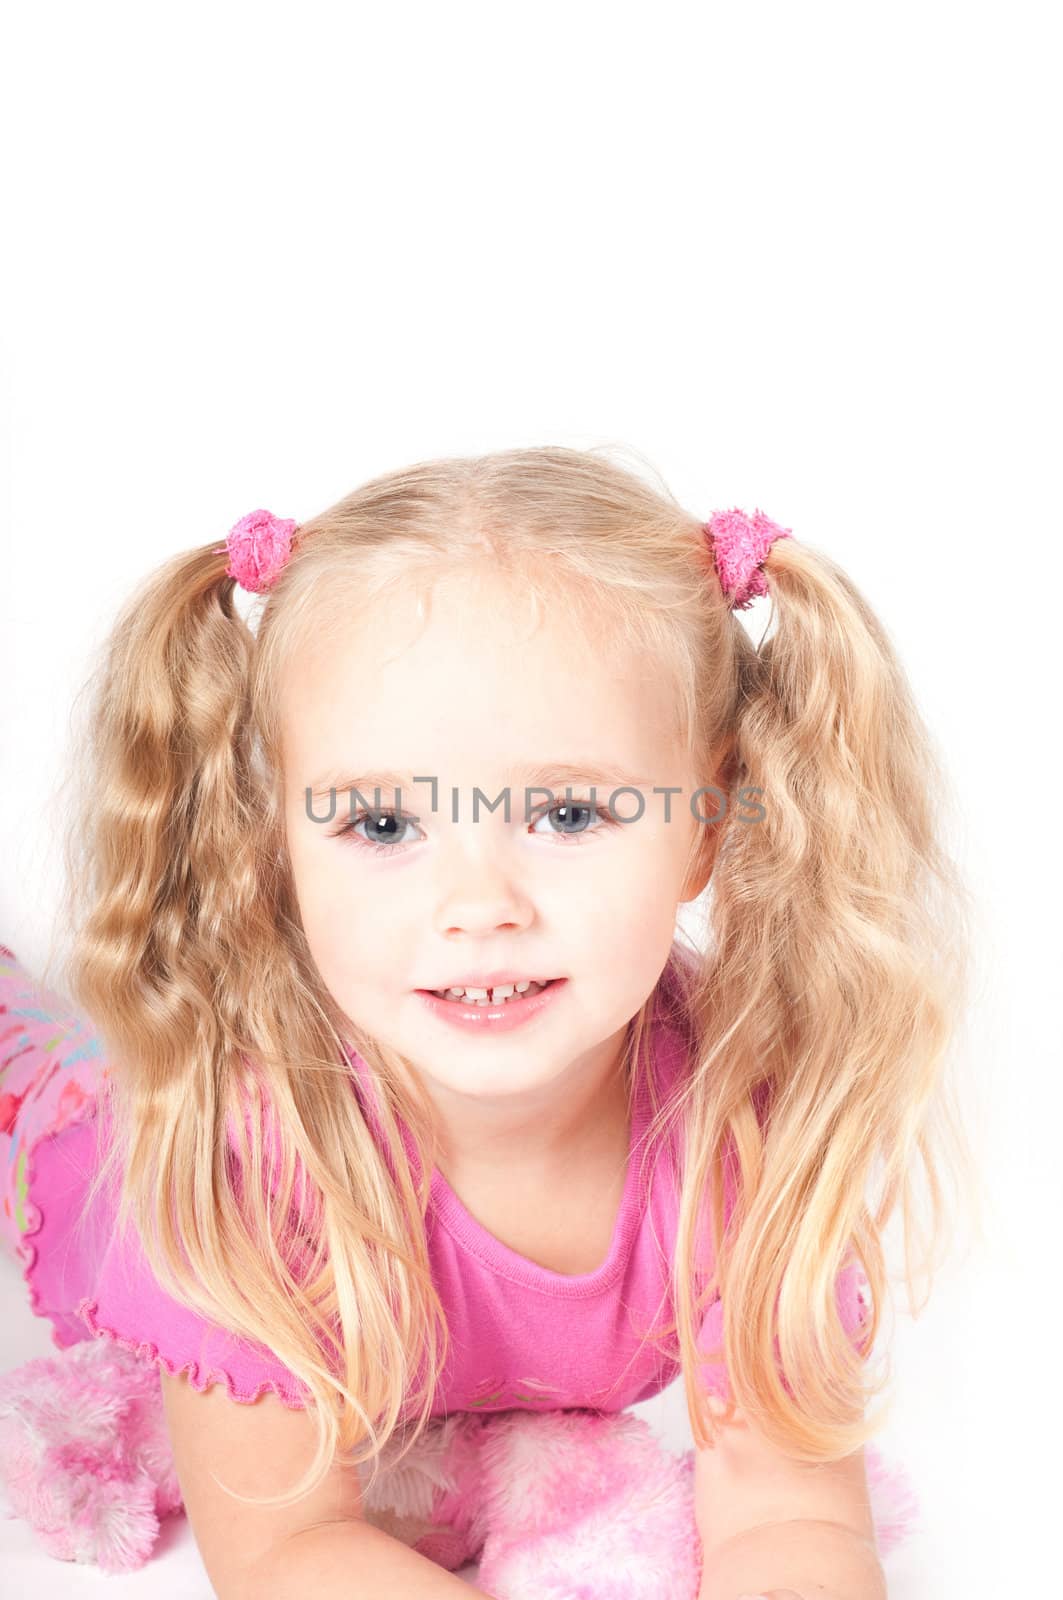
column 740, row 544
column 259, row 547
column 555, row 1505
column 85, row 1457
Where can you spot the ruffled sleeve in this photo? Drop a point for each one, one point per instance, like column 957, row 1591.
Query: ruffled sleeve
column 128, row 1306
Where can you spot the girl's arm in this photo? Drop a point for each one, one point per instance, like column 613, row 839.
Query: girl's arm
column 345, row 1561
column 806, row 1559
column 770, row 1523
column 320, row 1544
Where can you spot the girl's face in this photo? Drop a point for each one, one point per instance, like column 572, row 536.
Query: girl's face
column 484, row 696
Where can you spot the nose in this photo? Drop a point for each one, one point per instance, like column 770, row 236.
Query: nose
column 481, row 892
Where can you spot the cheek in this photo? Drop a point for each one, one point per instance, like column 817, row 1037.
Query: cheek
column 644, row 878
column 627, row 912
column 338, row 924
column 345, row 967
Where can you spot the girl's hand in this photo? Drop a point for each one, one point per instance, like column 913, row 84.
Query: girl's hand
column 773, row 1594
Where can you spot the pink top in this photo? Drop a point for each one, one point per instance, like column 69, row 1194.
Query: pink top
column 521, row 1335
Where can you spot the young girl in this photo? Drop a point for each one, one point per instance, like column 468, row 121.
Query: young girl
column 414, row 1103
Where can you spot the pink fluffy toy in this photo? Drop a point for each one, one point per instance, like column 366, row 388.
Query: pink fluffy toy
column 555, row 1505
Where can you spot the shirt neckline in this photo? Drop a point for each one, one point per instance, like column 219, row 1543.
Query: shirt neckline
column 505, row 1262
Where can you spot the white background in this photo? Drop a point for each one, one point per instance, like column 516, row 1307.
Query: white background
column 802, row 257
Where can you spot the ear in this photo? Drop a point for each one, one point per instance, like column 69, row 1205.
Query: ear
column 710, row 833
column 700, row 870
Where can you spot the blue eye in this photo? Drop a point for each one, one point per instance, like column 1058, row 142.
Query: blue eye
column 572, row 809
column 389, row 842
column 376, row 819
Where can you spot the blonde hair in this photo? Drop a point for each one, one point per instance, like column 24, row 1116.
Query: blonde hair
column 832, row 979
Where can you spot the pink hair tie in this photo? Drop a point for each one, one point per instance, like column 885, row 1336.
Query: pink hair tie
column 259, row 546
column 739, row 547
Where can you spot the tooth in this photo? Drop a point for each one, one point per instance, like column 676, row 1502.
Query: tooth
column 496, row 996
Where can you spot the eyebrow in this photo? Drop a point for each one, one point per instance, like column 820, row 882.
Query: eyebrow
column 550, row 775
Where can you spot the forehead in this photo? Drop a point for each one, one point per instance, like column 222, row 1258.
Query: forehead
column 470, row 671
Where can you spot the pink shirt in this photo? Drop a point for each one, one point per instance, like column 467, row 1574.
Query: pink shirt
column 521, row 1335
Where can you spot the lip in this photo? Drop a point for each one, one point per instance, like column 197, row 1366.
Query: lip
column 501, row 1018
